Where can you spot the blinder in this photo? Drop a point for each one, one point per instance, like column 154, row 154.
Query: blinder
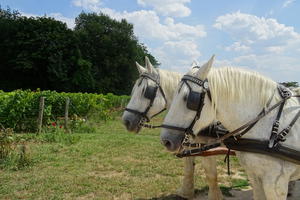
column 150, row 92
column 193, row 100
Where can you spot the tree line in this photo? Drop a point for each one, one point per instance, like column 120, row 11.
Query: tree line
column 97, row 56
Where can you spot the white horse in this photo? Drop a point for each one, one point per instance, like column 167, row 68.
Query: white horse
column 238, row 96
column 138, row 102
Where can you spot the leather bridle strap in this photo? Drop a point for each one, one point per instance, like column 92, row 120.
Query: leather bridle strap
column 144, row 114
column 201, row 83
column 174, row 127
column 263, row 114
column 281, row 136
column 255, row 120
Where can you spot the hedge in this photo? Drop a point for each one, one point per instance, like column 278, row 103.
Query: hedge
column 19, row 109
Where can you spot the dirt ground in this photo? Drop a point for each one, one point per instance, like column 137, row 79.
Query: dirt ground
column 247, row 194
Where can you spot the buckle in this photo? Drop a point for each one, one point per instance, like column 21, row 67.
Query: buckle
column 284, row 92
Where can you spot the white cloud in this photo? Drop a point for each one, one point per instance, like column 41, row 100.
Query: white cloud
column 280, row 68
column 251, row 27
column 92, row 5
column 270, row 47
column 237, row 46
column 287, row 3
column 29, row 14
column 69, row 21
column 275, row 49
column 147, row 24
column 175, row 42
column 257, row 34
column 177, row 55
column 174, row 8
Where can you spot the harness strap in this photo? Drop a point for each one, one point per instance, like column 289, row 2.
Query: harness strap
column 251, row 122
column 173, row 127
column 191, row 152
column 275, row 126
column 138, row 112
column 227, row 160
column 246, row 127
column 149, row 126
column 285, row 93
column 143, row 115
column 238, row 136
column 281, row 136
column 258, row 146
column 201, row 83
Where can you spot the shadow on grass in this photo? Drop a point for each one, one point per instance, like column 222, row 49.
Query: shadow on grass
column 168, row 197
column 202, row 191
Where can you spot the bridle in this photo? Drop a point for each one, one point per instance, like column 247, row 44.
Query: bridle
column 150, row 93
column 195, row 102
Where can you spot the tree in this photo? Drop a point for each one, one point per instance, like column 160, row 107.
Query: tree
column 38, row 52
column 41, row 52
column 112, row 48
column 290, row 84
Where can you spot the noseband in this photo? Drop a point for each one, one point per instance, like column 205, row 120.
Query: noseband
column 195, row 101
column 150, row 94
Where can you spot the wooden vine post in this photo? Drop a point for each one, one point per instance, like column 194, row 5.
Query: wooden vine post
column 41, row 113
column 67, row 113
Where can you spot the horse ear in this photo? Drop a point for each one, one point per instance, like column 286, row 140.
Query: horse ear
column 140, row 68
column 194, row 64
column 149, row 66
column 204, row 69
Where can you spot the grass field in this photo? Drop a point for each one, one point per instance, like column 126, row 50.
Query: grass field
column 108, row 164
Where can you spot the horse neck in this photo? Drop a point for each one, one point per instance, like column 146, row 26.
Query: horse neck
column 239, row 103
column 169, row 81
column 235, row 114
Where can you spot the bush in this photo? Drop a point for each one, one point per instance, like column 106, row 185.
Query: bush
column 19, row 109
column 13, row 155
column 58, row 135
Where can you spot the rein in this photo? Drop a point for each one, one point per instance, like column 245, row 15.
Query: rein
column 239, row 132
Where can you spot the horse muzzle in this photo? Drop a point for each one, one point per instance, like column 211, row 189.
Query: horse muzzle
column 131, row 122
column 171, row 139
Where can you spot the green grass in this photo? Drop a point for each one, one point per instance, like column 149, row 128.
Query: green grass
column 108, row 164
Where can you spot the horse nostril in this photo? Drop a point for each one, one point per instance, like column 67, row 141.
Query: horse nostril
column 167, row 143
column 126, row 123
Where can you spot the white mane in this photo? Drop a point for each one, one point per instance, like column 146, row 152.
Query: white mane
column 297, row 90
column 168, row 80
column 231, row 84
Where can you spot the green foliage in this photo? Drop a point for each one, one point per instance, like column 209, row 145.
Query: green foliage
column 41, row 52
column 58, row 135
column 19, row 109
column 290, row 84
column 109, row 164
column 112, row 48
column 6, row 143
column 13, row 155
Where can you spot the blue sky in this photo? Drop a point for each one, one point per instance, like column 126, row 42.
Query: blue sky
column 259, row 35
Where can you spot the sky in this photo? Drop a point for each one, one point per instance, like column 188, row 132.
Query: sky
column 263, row 36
